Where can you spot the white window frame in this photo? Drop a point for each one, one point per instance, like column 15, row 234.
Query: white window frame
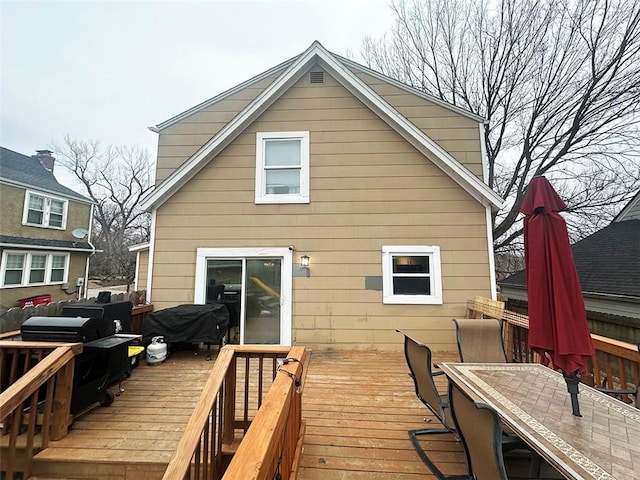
column 47, row 210
column 261, row 196
column 26, row 270
column 242, row 253
column 435, row 274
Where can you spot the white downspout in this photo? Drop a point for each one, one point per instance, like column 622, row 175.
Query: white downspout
column 85, row 290
column 152, row 244
column 485, row 176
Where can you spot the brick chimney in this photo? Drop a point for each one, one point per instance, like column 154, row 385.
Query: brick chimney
column 46, row 159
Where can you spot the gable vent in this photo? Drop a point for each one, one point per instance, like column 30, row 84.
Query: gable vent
column 316, row 77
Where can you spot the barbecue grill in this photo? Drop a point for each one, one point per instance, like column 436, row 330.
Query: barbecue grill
column 193, row 324
column 104, row 358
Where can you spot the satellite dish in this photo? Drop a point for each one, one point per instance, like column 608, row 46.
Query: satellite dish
column 80, row 232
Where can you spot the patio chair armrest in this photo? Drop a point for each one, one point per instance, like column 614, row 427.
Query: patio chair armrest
column 439, row 372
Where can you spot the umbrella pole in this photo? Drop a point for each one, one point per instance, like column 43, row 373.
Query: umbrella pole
column 572, row 387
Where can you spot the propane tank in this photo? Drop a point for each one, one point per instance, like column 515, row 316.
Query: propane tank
column 156, row 351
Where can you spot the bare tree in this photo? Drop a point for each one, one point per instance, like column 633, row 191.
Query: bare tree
column 558, row 82
column 115, row 178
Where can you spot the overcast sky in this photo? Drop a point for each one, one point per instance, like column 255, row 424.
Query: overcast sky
column 107, row 70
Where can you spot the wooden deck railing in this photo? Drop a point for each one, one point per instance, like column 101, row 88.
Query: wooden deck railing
column 250, row 398
column 36, row 380
column 615, row 365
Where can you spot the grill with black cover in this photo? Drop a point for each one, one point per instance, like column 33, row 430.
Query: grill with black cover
column 188, row 323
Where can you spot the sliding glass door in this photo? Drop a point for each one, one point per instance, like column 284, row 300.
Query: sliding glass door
column 254, row 289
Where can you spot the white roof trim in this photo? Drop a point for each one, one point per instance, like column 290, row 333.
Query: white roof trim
column 139, row 247
column 412, row 90
column 627, row 208
column 221, row 96
column 25, row 247
column 357, row 87
column 412, row 134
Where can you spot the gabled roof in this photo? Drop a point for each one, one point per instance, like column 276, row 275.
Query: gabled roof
column 333, row 64
column 431, row 98
column 282, row 66
column 227, row 93
column 630, row 211
column 608, row 261
column 28, row 172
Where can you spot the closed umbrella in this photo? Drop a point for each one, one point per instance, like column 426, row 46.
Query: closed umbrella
column 558, row 327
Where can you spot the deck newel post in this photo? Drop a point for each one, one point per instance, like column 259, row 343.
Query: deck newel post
column 62, row 401
column 229, row 401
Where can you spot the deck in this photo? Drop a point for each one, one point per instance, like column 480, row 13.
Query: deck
column 357, row 406
column 137, row 435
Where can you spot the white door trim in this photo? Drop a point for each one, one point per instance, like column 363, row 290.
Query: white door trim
column 286, row 296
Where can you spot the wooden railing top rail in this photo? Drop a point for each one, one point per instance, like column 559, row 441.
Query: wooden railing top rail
column 147, row 307
column 181, row 460
column 12, row 334
column 488, row 308
column 618, row 348
column 260, row 443
column 20, row 390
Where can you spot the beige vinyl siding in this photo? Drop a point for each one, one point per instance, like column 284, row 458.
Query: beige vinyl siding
column 142, row 269
column 368, row 188
column 457, row 134
column 181, row 140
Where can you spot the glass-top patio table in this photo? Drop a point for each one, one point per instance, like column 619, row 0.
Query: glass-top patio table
column 532, row 399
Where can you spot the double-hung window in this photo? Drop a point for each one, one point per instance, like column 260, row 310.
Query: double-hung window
column 43, row 211
column 21, row 269
column 411, row 275
column 282, row 167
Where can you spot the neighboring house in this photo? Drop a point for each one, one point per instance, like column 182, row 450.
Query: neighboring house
column 608, row 265
column 38, row 219
column 379, row 187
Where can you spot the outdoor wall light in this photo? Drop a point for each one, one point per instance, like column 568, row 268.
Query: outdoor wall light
column 304, row 261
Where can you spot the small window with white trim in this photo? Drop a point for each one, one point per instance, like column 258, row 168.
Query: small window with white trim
column 20, row 269
column 44, row 211
column 282, row 167
column 411, row 275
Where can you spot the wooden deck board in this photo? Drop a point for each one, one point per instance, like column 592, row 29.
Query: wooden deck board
column 357, row 406
column 138, row 432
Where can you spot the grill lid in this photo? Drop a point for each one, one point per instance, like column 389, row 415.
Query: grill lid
column 66, row 329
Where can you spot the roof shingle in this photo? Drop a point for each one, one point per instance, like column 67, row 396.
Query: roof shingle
column 607, row 262
column 29, row 171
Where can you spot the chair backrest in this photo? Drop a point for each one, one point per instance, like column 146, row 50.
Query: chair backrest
column 418, row 356
column 480, row 432
column 480, row 340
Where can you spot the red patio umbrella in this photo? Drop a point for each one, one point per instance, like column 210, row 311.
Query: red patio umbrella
column 558, row 327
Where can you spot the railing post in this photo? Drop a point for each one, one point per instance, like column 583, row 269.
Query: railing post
column 62, row 401
column 229, row 408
